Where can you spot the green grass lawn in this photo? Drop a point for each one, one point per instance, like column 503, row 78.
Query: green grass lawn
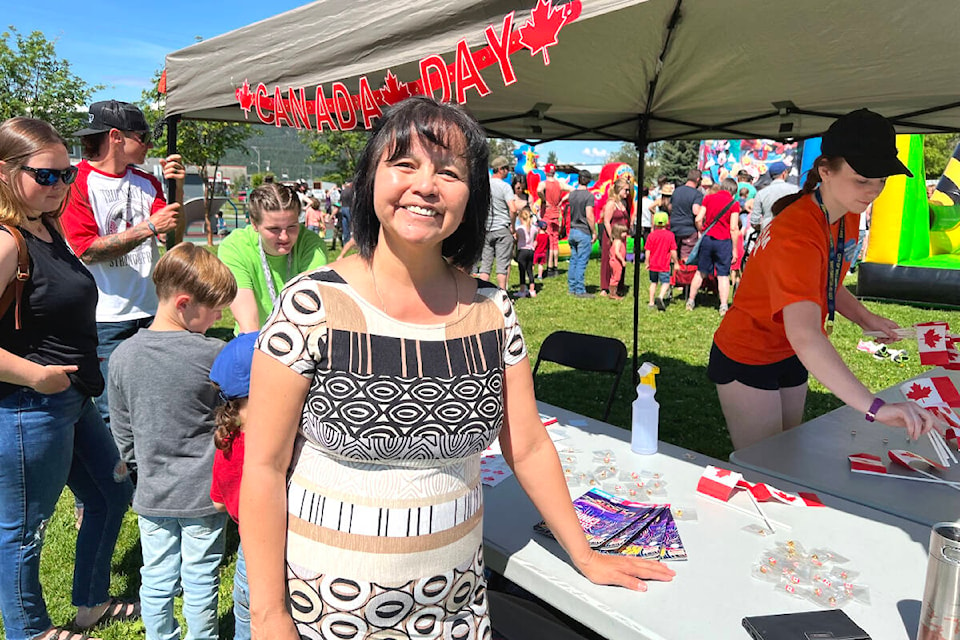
column 676, row 340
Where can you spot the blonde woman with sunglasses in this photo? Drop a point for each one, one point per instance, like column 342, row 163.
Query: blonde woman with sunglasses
column 51, row 433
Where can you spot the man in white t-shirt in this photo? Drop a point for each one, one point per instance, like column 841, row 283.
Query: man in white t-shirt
column 113, row 218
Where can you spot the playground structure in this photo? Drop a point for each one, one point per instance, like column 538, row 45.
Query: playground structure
column 913, row 253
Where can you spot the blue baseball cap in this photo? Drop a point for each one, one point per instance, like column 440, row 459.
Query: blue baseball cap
column 231, row 369
column 776, row 168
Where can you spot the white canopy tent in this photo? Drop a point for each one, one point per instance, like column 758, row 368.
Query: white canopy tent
column 631, row 70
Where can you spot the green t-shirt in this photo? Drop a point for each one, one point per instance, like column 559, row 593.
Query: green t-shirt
column 241, row 253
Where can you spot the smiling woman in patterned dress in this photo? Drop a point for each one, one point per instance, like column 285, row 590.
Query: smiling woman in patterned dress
column 378, row 382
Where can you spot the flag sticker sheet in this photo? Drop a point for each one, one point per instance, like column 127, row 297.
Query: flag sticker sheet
column 617, row 526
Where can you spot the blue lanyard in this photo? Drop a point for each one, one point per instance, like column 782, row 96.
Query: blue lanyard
column 835, row 269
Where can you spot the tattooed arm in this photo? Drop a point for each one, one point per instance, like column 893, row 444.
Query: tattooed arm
column 113, row 246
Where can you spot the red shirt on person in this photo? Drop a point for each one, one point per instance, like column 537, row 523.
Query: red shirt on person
column 714, row 204
column 660, row 243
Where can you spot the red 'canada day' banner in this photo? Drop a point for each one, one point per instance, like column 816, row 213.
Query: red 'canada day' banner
column 339, row 110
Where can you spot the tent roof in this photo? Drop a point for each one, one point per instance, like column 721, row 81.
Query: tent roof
column 725, row 66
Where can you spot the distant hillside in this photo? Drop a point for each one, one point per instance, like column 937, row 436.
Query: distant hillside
column 280, row 149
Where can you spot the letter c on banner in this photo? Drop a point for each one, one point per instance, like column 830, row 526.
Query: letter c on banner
column 426, row 78
column 346, row 116
column 261, row 94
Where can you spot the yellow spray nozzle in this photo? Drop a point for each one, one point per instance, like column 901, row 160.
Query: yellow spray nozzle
column 648, row 375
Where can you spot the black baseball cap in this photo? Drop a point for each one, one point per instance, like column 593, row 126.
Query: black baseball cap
column 113, row 114
column 867, row 141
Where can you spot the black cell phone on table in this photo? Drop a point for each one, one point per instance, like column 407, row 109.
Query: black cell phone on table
column 828, row 624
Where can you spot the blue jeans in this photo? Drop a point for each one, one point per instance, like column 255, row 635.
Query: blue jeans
column 241, row 599
column 109, row 336
column 345, row 224
column 185, row 552
column 581, row 245
column 47, row 441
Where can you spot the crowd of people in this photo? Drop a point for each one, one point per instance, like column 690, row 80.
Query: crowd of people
column 342, row 428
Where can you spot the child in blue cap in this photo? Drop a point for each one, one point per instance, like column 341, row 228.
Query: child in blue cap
column 231, row 375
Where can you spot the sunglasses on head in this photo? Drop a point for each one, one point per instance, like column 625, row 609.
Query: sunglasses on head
column 49, row 177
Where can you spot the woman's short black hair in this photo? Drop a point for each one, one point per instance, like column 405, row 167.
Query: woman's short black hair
column 433, row 124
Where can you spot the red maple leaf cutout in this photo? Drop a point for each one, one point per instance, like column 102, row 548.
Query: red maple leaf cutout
column 723, row 473
column 393, row 90
column 244, row 97
column 540, row 31
column 930, row 338
column 918, row 392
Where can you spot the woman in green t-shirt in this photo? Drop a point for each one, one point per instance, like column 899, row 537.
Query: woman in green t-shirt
column 263, row 256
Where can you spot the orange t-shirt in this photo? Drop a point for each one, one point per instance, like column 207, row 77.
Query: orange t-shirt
column 789, row 264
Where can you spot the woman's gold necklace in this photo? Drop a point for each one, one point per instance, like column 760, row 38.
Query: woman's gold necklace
column 383, row 305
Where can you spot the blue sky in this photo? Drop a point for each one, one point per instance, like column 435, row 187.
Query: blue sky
column 121, row 44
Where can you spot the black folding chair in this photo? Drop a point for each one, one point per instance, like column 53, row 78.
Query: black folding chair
column 587, row 353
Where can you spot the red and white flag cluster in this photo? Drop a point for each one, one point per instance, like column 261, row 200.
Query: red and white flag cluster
column 937, row 346
column 937, row 395
column 722, row 483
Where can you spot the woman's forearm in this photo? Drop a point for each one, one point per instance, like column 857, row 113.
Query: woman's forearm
column 263, row 512
column 802, row 323
column 541, row 477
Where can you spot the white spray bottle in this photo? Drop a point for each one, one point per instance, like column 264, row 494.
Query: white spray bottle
column 646, row 412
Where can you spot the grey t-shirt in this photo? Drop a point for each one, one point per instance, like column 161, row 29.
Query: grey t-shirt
column 682, row 220
column 161, row 416
column 579, row 201
column 766, row 197
column 500, row 195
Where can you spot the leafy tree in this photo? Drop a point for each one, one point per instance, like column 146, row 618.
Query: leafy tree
column 677, row 157
column 35, row 82
column 501, row 147
column 552, row 157
column 200, row 142
column 341, row 149
column 258, row 179
column 627, row 153
column 937, row 150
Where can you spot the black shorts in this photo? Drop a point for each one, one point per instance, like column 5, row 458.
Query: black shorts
column 770, row 377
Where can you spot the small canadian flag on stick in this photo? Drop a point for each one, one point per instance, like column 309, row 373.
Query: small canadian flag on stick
column 932, row 343
column 718, row 483
column 937, row 391
column 866, row 462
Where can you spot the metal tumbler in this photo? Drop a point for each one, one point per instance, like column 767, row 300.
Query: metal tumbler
column 940, row 611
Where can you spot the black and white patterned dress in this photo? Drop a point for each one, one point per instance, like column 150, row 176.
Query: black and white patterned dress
column 384, row 498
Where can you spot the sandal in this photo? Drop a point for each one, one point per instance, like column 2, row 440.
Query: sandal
column 61, row 633
column 116, row 611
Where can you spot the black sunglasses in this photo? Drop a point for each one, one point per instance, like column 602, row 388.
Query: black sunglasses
column 49, row 177
column 143, row 137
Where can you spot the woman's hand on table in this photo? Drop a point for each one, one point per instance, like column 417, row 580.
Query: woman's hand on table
column 623, row 571
column 874, row 322
column 909, row 415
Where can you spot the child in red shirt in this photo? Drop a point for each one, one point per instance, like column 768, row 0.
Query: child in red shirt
column 661, row 250
column 231, row 374
column 540, row 251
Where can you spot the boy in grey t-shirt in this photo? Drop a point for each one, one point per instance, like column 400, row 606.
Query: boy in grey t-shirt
column 161, row 415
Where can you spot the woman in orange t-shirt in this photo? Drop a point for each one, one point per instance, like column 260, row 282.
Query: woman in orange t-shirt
column 774, row 332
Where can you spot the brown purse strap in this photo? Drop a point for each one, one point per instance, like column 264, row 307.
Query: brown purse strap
column 14, row 290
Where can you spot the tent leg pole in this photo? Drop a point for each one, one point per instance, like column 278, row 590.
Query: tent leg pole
column 641, row 145
column 174, row 195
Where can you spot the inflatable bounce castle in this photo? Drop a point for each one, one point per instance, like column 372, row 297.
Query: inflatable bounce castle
column 913, row 252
